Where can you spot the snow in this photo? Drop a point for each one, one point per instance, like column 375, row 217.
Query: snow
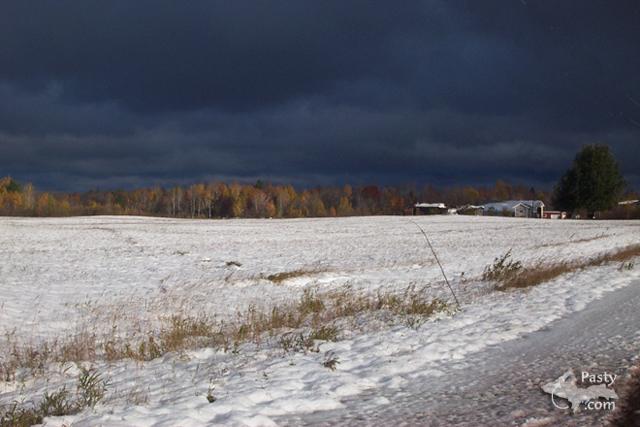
column 60, row 276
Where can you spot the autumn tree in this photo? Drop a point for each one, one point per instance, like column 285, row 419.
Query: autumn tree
column 316, row 206
column 259, row 200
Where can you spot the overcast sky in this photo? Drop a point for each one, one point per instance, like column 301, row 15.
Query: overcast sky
column 128, row 93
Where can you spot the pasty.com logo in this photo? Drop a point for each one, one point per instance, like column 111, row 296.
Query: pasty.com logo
column 599, row 396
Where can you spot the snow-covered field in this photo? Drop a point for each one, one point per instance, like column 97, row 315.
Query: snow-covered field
column 61, row 276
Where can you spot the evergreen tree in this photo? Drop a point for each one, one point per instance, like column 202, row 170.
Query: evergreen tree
column 593, row 182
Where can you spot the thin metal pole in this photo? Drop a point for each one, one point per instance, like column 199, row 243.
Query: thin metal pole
column 438, row 261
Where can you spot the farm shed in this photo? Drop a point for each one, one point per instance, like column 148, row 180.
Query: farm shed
column 470, row 210
column 430, row 209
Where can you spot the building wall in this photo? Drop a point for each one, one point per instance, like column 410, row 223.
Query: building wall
column 429, row 211
column 555, row 215
column 520, row 211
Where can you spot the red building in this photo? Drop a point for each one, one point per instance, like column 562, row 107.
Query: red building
column 554, row 215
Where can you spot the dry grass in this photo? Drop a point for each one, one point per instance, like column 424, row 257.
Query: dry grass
column 313, row 316
column 620, row 255
column 532, row 276
column 180, row 333
column 410, row 302
column 324, row 333
column 199, row 331
column 296, row 326
column 35, row 357
column 510, row 274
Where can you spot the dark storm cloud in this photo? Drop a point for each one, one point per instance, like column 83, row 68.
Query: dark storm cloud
column 127, row 93
column 159, row 55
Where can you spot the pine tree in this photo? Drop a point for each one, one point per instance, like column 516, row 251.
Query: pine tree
column 593, row 183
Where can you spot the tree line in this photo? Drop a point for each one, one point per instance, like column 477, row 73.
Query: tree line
column 259, row 200
column 593, row 184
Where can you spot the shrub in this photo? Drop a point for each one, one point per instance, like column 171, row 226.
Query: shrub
column 57, row 404
column 91, row 387
column 296, row 342
column 15, row 415
column 502, row 269
column 90, row 390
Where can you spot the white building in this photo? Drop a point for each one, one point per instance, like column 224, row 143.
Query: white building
column 517, row 208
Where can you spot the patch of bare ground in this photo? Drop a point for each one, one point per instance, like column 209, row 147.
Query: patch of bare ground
column 510, row 274
column 279, row 278
column 627, row 412
column 583, row 240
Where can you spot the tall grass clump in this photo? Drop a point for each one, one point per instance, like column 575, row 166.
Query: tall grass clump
column 91, row 389
column 510, row 274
